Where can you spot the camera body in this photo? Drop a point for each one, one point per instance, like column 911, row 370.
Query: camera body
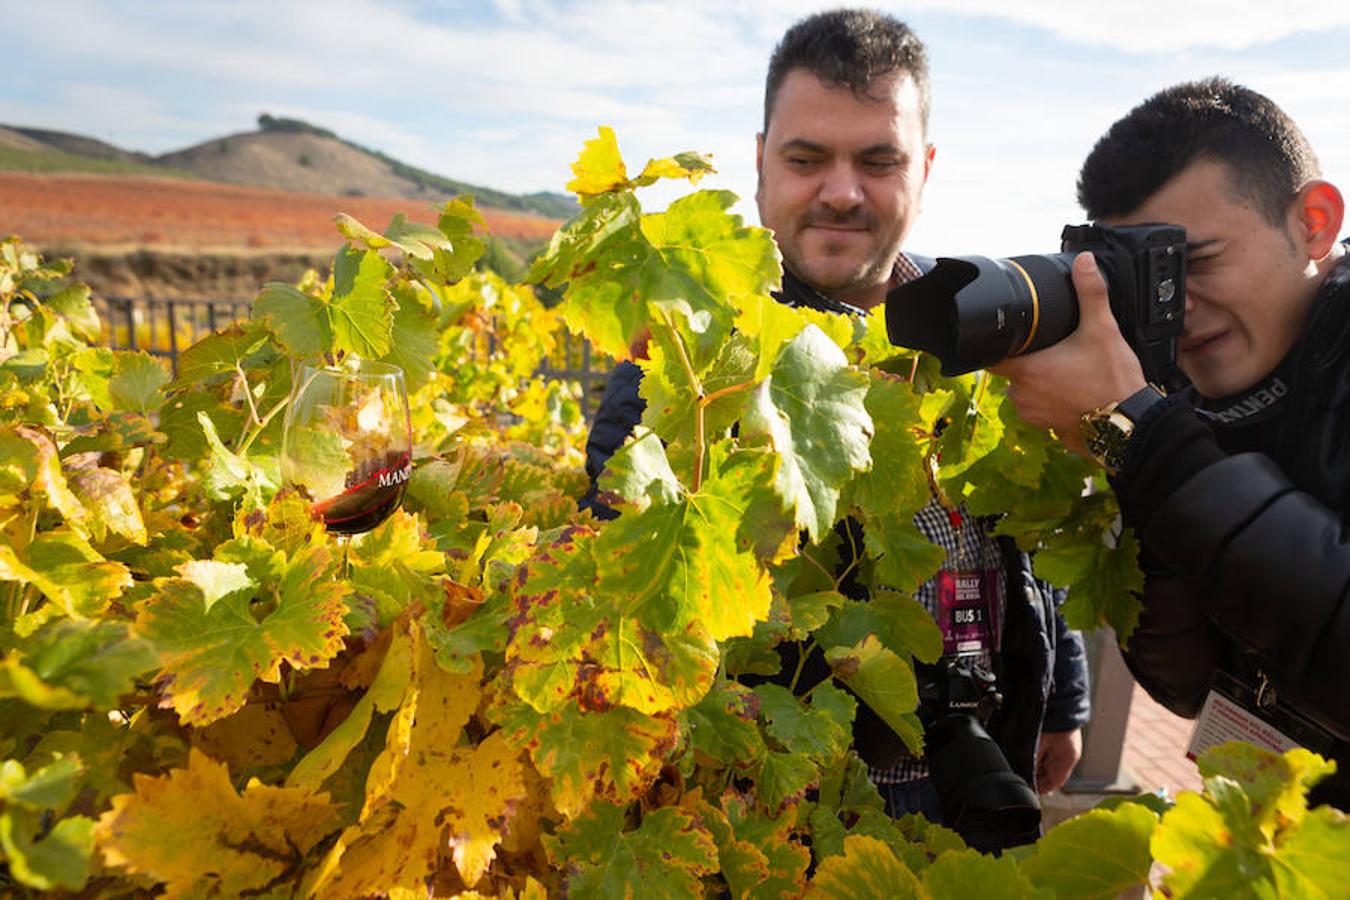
column 983, row 798
column 956, row 685
column 974, row 311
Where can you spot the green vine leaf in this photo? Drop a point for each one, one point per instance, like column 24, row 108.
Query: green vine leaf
column 867, row 869
column 640, row 473
column 74, row 664
column 413, row 338
column 722, row 725
column 667, row 854
column 783, row 778
column 1098, row 854
column 362, row 310
column 137, row 384
column 219, row 353
column 811, row 411
column 47, row 857
column 885, row 683
column 288, row 610
column 611, row 755
column 819, row 730
column 300, row 322
column 1104, row 581
column 967, row 873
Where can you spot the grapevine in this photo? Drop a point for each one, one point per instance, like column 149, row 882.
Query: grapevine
column 503, row 695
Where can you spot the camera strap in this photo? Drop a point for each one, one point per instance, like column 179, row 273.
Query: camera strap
column 1259, row 403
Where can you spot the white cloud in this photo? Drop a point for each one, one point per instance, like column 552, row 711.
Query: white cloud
column 504, row 93
column 1145, row 26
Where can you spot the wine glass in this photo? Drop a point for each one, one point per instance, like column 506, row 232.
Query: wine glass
column 347, row 442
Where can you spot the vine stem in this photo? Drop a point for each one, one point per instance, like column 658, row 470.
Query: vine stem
column 248, row 394
column 698, row 407
column 803, row 654
column 718, row 394
column 262, row 424
column 979, row 398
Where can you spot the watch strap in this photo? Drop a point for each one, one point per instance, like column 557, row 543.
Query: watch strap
column 1134, row 406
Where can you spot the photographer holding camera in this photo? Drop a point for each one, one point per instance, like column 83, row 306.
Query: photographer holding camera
column 1239, row 485
column 842, row 163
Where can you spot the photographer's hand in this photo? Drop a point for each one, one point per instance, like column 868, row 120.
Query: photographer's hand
column 1056, row 755
column 1090, row 368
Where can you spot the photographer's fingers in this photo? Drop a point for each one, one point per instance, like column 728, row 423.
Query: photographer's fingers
column 1094, row 302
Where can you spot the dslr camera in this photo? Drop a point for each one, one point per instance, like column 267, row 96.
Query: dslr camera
column 983, row 799
column 972, row 311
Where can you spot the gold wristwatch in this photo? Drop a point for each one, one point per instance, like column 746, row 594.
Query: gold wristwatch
column 1107, row 430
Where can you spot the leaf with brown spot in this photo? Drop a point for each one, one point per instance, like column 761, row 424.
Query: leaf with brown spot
column 255, row 736
column 211, row 655
column 425, row 793
column 191, row 832
column 613, row 756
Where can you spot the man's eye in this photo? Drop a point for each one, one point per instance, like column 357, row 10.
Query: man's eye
column 880, row 165
column 800, row 162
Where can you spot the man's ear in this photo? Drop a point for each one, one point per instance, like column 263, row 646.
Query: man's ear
column 759, row 154
column 1321, row 210
column 929, row 153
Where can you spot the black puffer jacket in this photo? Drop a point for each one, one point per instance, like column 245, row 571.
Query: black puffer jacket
column 1042, row 668
column 1241, row 507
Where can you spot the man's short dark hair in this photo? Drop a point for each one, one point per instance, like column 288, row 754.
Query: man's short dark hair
column 1269, row 158
column 849, row 48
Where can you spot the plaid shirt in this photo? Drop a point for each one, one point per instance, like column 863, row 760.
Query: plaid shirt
column 969, row 547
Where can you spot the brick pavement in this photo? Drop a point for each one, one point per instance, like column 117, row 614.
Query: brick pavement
column 1155, row 748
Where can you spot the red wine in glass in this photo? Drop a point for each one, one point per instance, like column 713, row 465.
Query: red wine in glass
column 370, row 497
column 347, row 443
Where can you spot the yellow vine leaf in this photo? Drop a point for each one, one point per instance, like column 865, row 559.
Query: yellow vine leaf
column 599, row 168
column 494, row 777
column 867, row 868
column 426, row 797
column 255, row 736
column 611, row 755
column 187, row 830
column 384, row 695
column 435, row 709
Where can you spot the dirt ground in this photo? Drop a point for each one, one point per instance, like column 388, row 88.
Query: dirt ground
column 165, row 237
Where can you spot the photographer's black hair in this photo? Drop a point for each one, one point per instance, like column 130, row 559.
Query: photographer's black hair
column 850, row 48
column 1212, row 118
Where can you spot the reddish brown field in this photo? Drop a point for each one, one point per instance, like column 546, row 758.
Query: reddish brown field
column 176, row 214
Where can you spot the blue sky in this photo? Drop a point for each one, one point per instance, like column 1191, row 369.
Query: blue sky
column 504, row 93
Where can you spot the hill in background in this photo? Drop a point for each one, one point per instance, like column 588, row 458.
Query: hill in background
column 285, row 154
column 233, row 212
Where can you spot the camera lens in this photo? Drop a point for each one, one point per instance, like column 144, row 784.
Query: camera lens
column 973, row 311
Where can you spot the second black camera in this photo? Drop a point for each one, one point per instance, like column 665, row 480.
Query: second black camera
column 973, row 311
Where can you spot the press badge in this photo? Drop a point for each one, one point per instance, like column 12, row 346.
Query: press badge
column 968, row 610
column 1234, row 711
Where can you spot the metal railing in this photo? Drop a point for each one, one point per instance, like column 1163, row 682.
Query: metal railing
column 164, row 327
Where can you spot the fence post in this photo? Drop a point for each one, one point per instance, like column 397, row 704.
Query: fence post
column 1099, row 770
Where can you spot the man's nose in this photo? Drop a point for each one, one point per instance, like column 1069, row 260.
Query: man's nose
column 842, row 188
